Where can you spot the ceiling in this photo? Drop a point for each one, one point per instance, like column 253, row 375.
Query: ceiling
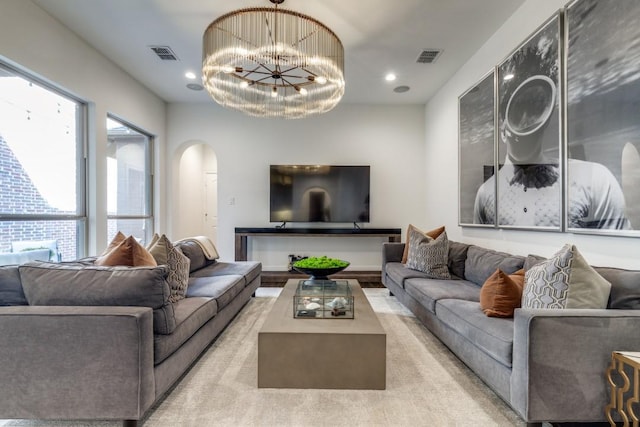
column 378, row 37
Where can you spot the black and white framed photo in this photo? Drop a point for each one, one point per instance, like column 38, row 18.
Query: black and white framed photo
column 529, row 128
column 476, row 143
column 603, row 117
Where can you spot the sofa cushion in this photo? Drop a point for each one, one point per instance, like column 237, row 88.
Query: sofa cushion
column 165, row 253
column 191, row 314
column 249, row 269
column 11, row 292
column 532, row 260
column 492, row 335
column 412, row 228
column 482, row 262
column 222, row 288
column 399, row 272
column 429, row 255
column 565, row 280
column 71, row 284
column 429, row 291
column 625, row 287
column 501, row 293
column 127, row 253
column 194, row 252
column 457, row 258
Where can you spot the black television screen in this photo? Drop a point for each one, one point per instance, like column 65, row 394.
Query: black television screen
column 319, row 193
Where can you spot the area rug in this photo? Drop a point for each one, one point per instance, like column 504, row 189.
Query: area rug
column 426, row 385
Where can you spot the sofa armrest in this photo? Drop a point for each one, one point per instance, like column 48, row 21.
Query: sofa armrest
column 392, row 252
column 560, row 358
column 76, row 362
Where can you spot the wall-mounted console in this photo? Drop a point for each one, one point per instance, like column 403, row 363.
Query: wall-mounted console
column 242, row 234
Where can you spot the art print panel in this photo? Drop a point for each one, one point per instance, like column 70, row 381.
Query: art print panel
column 476, row 141
column 603, row 117
column 529, row 177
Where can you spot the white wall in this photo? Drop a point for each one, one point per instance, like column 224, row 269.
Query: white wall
column 33, row 40
column 441, row 157
column 388, row 138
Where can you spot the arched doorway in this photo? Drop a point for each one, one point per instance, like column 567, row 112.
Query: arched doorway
column 197, row 210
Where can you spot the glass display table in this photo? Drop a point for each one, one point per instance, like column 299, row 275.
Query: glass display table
column 323, row 299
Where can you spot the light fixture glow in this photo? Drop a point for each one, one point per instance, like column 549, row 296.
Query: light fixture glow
column 190, row 75
column 390, row 77
column 508, row 76
column 260, row 60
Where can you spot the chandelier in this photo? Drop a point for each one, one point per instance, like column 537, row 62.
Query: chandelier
column 270, row 62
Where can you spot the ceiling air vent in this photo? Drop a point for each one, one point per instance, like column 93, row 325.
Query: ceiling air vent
column 428, row 56
column 164, row 52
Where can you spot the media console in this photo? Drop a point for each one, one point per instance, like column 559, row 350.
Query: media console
column 393, row 234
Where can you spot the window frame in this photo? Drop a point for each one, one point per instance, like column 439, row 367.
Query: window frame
column 81, row 216
column 149, row 217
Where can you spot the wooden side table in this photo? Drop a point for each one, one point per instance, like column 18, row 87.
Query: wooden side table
column 622, row 402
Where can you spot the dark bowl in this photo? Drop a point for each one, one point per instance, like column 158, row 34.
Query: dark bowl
column 320, row 273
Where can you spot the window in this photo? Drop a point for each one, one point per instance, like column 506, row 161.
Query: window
column 42, row 170
column 129, row 195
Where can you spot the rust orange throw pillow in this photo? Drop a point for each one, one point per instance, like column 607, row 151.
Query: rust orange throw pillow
column 501, row 293
column 119, row 237
column 129, row 253
column 433, row 234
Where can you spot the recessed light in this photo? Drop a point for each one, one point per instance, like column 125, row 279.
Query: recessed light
column 390, row 77
column 195, row 86
column 401, row 89
column 190, row 75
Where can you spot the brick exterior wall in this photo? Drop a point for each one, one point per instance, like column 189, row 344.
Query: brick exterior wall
column 20, row 196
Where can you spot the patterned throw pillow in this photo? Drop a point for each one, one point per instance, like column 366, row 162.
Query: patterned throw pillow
column 565, row 280
column 432, row 233
column 501, row 293
column 429, row 255
column 164, row 252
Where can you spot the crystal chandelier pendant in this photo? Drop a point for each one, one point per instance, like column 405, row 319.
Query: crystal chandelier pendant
column 271, row 62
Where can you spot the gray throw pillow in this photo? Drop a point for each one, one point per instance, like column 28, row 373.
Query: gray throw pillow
column 625, row 287
column 76, row 284
column 428, row 255
column 10, row 287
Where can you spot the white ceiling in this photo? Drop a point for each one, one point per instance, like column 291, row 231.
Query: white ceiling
column 378, row 37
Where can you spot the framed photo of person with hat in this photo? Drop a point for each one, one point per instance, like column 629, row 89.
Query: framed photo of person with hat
column 527, row 189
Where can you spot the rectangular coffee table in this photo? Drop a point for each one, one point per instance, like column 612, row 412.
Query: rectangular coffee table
column 322, row 353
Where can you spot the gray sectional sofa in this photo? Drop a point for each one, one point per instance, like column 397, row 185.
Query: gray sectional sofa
column 79, row 341
column 547, row 364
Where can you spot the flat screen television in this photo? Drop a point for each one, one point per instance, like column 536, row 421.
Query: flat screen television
column 319, row 193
